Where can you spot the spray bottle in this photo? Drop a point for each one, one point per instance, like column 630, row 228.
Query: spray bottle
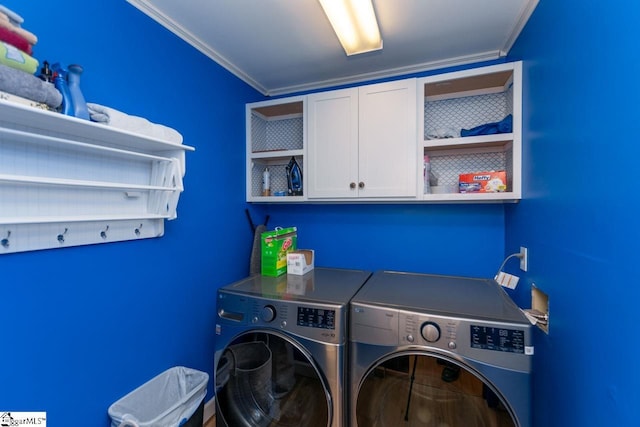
column 60, row 82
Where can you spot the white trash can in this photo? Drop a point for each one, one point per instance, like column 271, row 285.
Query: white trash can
column 169, row 400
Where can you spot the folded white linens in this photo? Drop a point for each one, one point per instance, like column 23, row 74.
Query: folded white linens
column 109, row 116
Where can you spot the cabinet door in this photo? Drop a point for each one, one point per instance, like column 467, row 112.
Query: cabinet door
column 332, row 144
column 387, row 139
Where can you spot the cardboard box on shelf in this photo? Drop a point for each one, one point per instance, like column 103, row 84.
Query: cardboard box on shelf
column 300, row 261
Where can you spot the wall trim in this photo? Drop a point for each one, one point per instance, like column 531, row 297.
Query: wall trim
column 209, row 409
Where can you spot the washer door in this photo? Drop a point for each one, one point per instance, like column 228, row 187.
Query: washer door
column 266, row 379
column 422, row 389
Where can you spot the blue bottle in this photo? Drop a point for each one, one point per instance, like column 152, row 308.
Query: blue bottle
column 73, row 80
column 60, row 82
column 67, row 81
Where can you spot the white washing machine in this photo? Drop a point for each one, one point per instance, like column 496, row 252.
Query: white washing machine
column 281, row 346
column 441, row 351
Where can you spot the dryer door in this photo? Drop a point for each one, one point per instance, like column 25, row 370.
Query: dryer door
column 267, row 379
column 423, row 389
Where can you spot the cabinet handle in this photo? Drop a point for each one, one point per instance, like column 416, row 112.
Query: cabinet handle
column 352, row 185
column 361, row 184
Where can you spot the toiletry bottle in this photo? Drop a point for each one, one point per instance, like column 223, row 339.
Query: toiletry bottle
column 45, row 73
column 266, row 182
column 73, row 79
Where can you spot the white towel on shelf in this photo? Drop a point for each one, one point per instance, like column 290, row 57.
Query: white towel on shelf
column 440, row 133
column 109, row 116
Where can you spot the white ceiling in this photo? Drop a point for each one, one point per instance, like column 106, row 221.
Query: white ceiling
column 285, row 46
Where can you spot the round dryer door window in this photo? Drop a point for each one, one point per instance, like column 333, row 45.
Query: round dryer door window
column 424, row 390
column 263, row 379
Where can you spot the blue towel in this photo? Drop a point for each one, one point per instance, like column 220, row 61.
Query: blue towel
column 503, row 126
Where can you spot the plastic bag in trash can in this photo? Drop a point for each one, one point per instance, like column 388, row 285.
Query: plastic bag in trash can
column 167, row 400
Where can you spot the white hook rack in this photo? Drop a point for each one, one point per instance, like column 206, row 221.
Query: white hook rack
column 5, row 242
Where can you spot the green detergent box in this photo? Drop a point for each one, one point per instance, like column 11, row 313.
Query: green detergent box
column 275, row 245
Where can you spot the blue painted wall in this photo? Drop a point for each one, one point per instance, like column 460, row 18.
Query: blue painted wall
column 578, row 215
column 443, row 239
column 83, row 326
column 86, row 325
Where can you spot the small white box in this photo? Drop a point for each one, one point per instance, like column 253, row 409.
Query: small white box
column 300, row 261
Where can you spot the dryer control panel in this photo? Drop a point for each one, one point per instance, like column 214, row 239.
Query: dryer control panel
column 498, row 343
column 497, row 338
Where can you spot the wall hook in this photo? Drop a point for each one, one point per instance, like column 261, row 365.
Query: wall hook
column 103, row 233
column 61, row 235
column 5, row 242
column 137, row 230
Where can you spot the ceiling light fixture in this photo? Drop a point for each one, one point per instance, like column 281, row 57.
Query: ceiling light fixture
column 354, row 22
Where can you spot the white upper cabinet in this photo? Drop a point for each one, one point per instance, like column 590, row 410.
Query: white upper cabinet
column 361, row 142
column 371, row 143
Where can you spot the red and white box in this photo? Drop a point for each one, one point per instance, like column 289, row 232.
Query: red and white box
column 483, row 182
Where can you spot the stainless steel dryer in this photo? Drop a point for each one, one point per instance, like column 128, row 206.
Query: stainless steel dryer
column 439, row 351
column 281, row 345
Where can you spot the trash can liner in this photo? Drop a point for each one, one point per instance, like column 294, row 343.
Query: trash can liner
column 167, row 400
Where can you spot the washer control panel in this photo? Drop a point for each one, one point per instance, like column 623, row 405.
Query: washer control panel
column 321, row 322
column 315, row 317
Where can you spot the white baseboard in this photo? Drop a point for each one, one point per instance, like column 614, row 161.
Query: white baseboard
column 209, row 409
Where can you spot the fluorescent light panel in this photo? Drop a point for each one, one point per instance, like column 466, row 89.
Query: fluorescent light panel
column 354, row 22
